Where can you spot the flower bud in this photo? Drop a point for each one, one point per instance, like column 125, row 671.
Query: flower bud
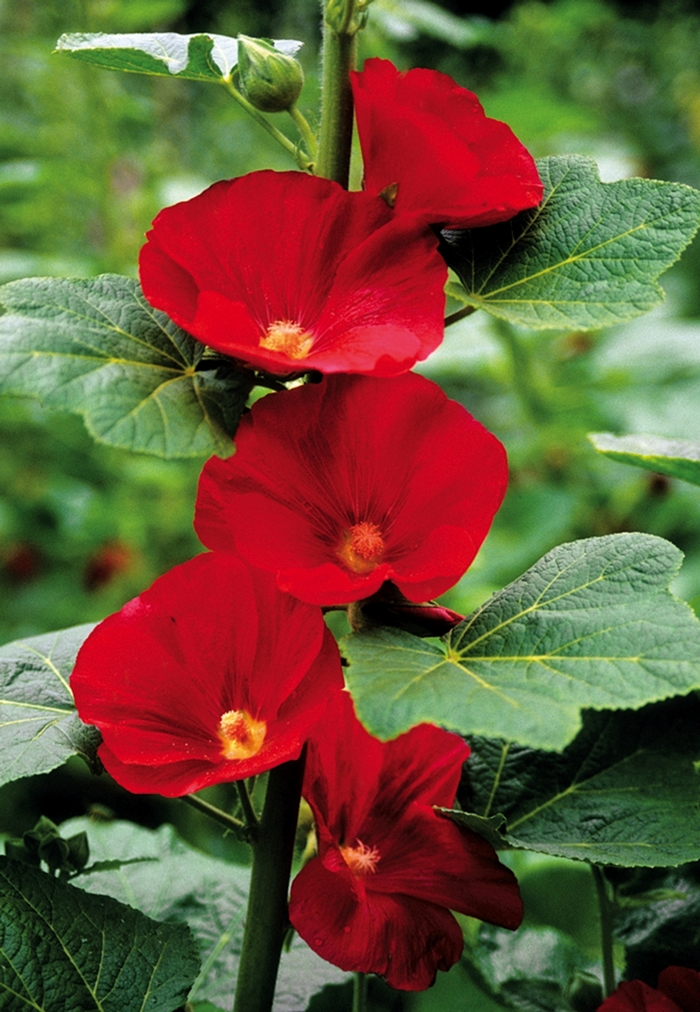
column 270, row 80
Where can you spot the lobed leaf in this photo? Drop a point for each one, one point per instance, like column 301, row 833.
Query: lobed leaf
column 95, row 347
column 592, row 624
column 39, row 725
column 625, row 792
column 201, row 57
column 210, row 895
column 63, row 948
column 588, row 256
column 678, row 458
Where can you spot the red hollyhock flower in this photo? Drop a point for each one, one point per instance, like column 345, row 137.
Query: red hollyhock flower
column 677, row 990
column 429, row 147
column 211, row 675
column 389, row 868
column 289, row 273
column 339, row 486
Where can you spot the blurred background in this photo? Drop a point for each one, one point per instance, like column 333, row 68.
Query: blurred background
column 88, row 157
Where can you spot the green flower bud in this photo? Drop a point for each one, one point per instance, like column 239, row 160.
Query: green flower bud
column 270, row 80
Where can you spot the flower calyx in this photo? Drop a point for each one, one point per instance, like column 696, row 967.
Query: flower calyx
column 269, row 79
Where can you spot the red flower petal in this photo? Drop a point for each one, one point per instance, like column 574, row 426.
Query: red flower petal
column 389, row 868
column 210, row 638
column 339, row 486
column 406, row 941
column 289, row 273
column 452, row 165
column 636, row 996
column 682, row 985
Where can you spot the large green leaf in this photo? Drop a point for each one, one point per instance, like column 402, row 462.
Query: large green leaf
column 678, row 458
column 625, row 792
column 202, row 57
column 39, row 726
column 64, row 949
column 94, row 346
column 210, row 895
column 588, row 256
column 592, row 624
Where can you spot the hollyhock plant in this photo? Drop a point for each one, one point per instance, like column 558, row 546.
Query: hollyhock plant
column 289, row 272
column 389, row 869
column 429, row 147
column 677, row 990
column 339, row 486
column 211, row 675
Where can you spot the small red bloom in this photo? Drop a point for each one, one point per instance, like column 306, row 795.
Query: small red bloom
column 377, row 899
column 677, row 990
column 211, row 675
column 339, row 486
column 289, row 272
column 428, row 145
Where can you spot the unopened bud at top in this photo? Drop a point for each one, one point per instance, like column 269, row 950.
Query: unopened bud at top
column 270, row 80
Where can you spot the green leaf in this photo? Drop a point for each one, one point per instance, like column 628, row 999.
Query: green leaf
column 588, row 256
column 530, row 970
column 592, row 624
column 202, row 57
column 625, row 792
column 63, row 948
column 678, row 458
column 208, row 894
column 39, row 726
column 663, row 932
column 94, row 346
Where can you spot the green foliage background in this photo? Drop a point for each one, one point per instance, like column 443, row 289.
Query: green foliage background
column 88, row 157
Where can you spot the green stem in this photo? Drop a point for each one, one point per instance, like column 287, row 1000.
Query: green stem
column 459, row 315
column 213, row 812
column 249, row 813
column 606, row 924
column 524, row 382
column 359, row 992
column 267, row 915
column 305, row 130
column 281, row 138
column 335, row 141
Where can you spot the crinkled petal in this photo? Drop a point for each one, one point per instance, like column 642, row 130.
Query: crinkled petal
column 636, row 996
column 406, row 941
column 682, row 985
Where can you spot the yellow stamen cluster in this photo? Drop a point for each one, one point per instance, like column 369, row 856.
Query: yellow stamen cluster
column 361, row 547
column 361, row 860
column 288, row 338
column 241, row 735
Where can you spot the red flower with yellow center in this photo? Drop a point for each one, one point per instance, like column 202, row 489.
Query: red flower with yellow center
column 211, row 675
column 339, row 486
column 377, row 899
column 289, row 272
column 428, row 146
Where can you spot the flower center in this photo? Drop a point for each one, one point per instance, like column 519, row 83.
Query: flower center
column 241, row 735
column 361, row 860
column 288, row 338
column 361, row 547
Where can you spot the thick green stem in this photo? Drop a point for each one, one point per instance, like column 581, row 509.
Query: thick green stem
column 606, row 924
column 335, row 142
column 267, row 916
column 460, row 314
column 359, row 992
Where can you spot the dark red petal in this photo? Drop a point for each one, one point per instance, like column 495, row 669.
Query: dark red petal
column 427, row 856
column 636, row 996
column 682, row 985
column 404, row 940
